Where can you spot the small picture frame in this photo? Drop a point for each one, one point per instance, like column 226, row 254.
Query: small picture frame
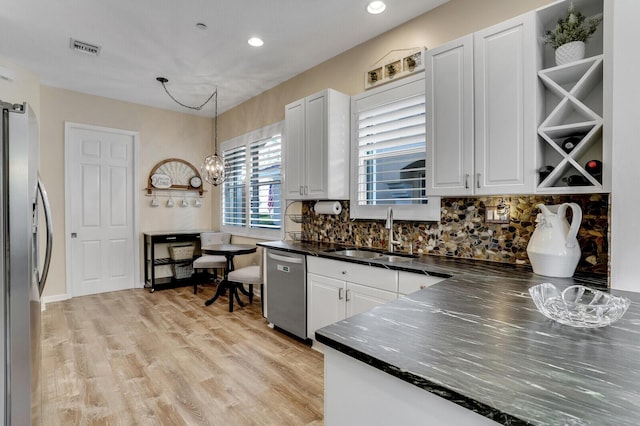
column 374, row 76
column 393, row 69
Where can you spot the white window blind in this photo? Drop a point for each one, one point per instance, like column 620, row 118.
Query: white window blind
column 265, row 165
column 389, row 153
column 251, row 194
column 234, row 209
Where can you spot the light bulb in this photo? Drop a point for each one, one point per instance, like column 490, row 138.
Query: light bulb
column 213, row 169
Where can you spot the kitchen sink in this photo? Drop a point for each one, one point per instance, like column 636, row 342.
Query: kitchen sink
column 374, row 255
column 360, row 254
column 394, row 259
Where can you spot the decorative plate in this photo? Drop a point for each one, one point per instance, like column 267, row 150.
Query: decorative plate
column 160, row 180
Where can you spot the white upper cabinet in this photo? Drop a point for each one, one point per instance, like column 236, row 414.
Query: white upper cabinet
column 481, row 133
column 316, row 164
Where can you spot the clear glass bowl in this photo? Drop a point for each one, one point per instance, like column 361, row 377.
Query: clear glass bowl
column 578, row 306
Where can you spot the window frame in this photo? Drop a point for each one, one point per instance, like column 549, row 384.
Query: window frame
column 247, row 140
column 410, row 86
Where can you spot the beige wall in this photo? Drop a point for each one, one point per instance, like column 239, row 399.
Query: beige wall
column 25, row 86
column 163, row 134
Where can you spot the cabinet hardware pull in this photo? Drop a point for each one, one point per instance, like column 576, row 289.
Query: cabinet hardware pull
column 340, row 294
column 172, row 238
column 301, row 190
column 348, row 293
column 466, row 181
column 422, row 287
column 478, row 180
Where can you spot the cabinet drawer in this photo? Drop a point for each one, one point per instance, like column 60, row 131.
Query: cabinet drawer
column 159, row 239
column 409, row 282
column 371, row 276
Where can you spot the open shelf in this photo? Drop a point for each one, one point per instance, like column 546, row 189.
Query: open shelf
column 573, row 109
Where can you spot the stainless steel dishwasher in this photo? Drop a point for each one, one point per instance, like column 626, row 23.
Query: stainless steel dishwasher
column 287, row 291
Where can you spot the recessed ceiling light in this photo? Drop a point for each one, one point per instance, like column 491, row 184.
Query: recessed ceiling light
column 376, row 7
column 255, row 42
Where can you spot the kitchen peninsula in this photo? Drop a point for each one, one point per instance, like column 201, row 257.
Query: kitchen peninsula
column 477, row 341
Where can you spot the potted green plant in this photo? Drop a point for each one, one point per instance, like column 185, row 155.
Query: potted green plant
column 570, row 34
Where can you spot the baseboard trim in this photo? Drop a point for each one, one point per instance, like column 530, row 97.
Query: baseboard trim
column 55, row 298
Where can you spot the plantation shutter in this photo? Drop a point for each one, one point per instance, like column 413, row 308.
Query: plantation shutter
column 391, row 152
column 388, row 153
column 234, row 198
column 265, row 157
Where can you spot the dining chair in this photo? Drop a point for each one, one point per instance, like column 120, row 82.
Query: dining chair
column 208, row 261
column 249, row 275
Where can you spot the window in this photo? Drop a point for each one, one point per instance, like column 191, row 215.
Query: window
column 251, row 201
column 389, row 152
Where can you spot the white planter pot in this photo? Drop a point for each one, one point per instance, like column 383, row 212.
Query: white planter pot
column 570, row 52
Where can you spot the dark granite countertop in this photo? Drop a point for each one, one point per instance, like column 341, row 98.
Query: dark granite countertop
column 478, row 340
column 439, row 266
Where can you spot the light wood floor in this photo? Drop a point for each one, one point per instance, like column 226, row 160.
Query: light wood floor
column 136, row 358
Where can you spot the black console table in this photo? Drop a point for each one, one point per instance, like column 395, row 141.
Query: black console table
column 151, row 239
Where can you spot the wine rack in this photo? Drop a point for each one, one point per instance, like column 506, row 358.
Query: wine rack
column 573, row 97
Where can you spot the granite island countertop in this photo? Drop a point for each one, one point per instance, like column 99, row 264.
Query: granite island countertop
column 477, row 339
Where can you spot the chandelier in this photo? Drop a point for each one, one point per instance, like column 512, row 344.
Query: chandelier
column 213, row 168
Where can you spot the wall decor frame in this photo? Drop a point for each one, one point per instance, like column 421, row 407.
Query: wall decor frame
column 396, row 64
column 172, row 174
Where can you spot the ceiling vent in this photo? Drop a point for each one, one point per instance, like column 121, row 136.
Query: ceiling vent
column 81, row 46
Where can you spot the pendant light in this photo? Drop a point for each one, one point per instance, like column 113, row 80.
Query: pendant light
column 213, row 168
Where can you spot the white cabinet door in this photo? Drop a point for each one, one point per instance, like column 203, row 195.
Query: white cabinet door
column 325, row 302
column 316, row 167
column 449, row 96
column 361, row 298
column 505, row 113
column 294, row 149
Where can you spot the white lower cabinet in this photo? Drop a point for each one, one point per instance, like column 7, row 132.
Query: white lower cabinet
column 325, row 302
column 337, row 290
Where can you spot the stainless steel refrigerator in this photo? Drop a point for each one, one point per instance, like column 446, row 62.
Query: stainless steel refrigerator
column 23, row 274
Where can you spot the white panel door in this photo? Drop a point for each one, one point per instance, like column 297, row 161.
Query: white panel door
column 361, row 298
column 325, row 302
column 294, row 150
column 505, row 130
column 100, row 210
column 316, row 167
column 449, row 94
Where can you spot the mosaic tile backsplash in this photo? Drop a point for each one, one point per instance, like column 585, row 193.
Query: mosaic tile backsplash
column 463, row 232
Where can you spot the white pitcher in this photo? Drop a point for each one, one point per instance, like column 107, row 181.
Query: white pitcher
column 553, row 248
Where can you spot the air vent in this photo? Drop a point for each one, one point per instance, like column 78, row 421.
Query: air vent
column 81, row 46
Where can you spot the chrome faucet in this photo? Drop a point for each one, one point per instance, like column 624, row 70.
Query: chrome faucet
column 389, row 226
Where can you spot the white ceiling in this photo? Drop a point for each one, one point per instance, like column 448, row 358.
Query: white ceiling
column 144, row 39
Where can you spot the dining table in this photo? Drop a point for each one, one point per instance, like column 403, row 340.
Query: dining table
column 229, row 251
